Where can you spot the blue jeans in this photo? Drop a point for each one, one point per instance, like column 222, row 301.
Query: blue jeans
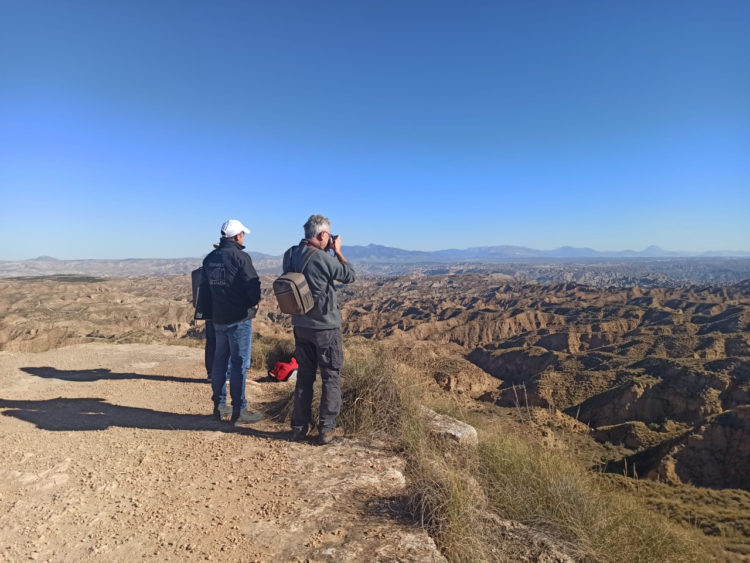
column 232, row 360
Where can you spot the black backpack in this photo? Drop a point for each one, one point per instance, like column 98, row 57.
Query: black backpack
column 291, row 290
column 200, row 302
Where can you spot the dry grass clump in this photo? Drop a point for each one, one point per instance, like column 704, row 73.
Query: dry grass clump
column 553, row 492
column 444, row 494
column 381, row 397
column 377, row 397
column 267, row 350
column 463, row 495
column 723, row 514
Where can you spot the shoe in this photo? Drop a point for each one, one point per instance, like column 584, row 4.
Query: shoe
column 225, row 410
column 299, row 433
column 325, row 438
column 217, row 414
column 245, row 417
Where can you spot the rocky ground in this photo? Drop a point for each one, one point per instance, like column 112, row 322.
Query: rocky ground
column 109, row 455
column 658, row 376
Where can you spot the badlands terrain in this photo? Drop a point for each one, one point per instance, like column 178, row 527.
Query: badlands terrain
column 655, row 268
column 649, row 382
column 665, row 372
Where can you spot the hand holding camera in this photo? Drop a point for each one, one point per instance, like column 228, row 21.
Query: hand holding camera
column 334, row 243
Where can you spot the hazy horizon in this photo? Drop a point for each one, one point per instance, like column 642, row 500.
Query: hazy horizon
column 677, row 253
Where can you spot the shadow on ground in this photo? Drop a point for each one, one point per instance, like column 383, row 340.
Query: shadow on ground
column 88, row 375
column 96, row 414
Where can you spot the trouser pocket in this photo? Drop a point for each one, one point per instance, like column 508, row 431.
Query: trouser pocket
column 331, row 353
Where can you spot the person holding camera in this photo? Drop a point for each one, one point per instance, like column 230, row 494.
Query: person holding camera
column 317, row 334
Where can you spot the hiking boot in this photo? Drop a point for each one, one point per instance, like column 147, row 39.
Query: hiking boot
column 225, row 410
column 299, row 433
column 327, row 437
column 246, row 417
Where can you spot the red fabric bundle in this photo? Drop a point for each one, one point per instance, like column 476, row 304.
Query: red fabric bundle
column 282, row 370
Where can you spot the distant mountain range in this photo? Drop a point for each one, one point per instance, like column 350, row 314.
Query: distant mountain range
column 368, row 256
column 506, row 253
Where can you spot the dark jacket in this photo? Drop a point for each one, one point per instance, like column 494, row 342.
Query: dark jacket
column 230, row 282
column 196, row 279
column 321, row 271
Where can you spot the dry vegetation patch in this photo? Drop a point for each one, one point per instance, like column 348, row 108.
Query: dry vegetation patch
column 468, row 497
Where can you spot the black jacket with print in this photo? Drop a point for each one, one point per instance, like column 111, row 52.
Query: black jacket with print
column 231, row 283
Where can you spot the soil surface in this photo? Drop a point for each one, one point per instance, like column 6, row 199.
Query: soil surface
column 109, row 453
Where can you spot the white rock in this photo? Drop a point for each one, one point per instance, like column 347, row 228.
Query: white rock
column 448, row 427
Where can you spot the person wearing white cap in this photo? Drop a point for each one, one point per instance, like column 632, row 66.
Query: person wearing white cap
column 232, row 285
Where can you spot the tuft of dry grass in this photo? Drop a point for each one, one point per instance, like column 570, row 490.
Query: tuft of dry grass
column 376, row 394
column 443, row 494
column 721, row 514
column 374, row 397
column 463, row 495
column 267, row 350
column 555, row 493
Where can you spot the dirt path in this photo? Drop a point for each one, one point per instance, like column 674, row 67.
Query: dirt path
column 108, row 454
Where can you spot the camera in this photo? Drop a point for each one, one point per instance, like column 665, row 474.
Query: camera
column 331, row 241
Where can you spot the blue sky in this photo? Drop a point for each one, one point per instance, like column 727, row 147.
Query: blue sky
column 135, row 128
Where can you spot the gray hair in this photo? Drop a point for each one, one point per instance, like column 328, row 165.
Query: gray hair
column 316, row 224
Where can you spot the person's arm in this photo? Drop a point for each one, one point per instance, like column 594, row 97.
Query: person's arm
column 343, row 271
column 336, row 247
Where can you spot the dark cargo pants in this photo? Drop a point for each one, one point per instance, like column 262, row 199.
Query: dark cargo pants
column 324, row 349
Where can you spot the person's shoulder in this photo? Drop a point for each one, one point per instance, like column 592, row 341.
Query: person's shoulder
column 210, row 256
column 326, row 261
column 244, row 256
column 315, row 257
column 233, row 250
column 320, row 256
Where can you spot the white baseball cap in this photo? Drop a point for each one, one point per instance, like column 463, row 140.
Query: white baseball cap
column 233, row 227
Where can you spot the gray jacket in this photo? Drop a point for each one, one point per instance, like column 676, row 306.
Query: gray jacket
column 321, row 271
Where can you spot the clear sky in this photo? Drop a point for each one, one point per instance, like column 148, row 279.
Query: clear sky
column 134, row 128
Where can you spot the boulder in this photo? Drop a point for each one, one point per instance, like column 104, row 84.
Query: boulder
column 444, row 426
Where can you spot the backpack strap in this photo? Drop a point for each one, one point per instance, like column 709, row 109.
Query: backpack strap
column 287, row 259
column 304, row 264
column 307, row 260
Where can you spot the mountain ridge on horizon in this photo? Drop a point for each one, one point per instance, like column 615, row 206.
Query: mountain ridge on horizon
column 372, row 252
column 650, row 267
column 495, row 253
